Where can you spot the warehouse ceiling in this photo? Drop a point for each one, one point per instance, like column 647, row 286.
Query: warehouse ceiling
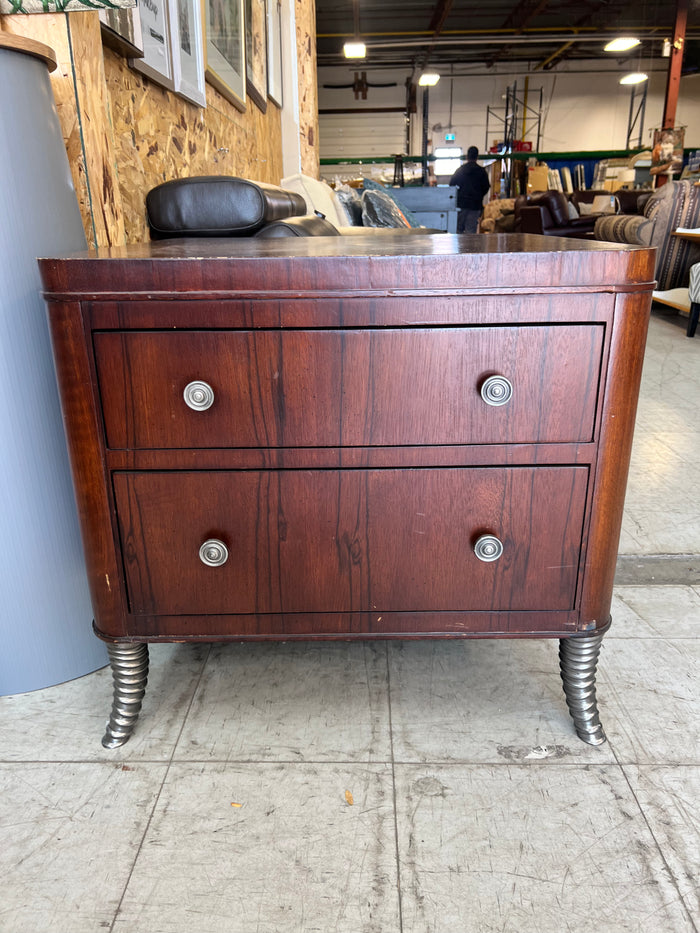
column 453, row 36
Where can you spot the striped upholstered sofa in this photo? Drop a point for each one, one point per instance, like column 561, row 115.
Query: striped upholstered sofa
column 676, row 204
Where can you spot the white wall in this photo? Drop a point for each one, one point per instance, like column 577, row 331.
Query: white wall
column 357, row 136
column 581, row 112
column 291, row 140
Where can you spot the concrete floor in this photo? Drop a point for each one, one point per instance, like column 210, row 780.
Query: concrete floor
column 662, row 509
column 411, row 787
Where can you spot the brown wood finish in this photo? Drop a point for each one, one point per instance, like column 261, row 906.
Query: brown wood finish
column 347, row 373
column 82, row 423
column 347, row 388
column 29, row 47
column 328, row 458
column 348, row 266
column 357, row 540
column 353, row 625
column 615, row 449
column 295, row 310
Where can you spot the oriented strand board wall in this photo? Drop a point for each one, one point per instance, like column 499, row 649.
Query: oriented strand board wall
column 159, row 136
column 125, row 134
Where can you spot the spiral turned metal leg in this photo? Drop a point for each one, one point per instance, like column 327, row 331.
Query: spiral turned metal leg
column 130, row 672
column 578, row 658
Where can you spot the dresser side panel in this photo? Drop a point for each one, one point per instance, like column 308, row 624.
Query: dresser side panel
column 619, row 407
column 80, row 409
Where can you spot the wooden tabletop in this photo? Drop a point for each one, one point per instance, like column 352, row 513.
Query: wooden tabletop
column 29, row 47
column 367, row 263
column 693, row 236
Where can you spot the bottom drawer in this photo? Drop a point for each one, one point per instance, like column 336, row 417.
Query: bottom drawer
column 351, row 540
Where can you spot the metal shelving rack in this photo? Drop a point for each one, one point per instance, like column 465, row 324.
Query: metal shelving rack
column 517, row 111
column 638, row 104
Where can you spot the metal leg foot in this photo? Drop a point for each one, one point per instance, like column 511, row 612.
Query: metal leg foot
column 578, row 658
column 130, row 672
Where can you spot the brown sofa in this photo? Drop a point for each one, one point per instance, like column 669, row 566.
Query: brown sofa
column 548, row 214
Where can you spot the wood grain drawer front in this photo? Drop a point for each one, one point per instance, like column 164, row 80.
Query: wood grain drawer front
column 351, row 540
column 349, row 388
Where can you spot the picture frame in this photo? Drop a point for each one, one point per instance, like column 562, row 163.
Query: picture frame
column 256, row 52
column 224, row 31
column 274, row 52
column 121, row 31
column 156, row 63
column 8, row 7
column 667, row 150
column 187, row 50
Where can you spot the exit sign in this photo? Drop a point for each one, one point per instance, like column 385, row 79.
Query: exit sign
column 449, row 137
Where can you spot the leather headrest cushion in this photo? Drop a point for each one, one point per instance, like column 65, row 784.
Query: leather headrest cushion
column 217, row 205
column 627, row 199
column 556, row 204
column 311, row 225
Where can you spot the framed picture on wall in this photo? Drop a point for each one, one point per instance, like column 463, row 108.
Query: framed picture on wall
column 256, row 52
column 225, row 49
column 187, row 50
column 274, row 51
column 667, row 152
column 157, row 60
column 121, row 31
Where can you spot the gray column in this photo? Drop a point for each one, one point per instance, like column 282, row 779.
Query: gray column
column 45, row 612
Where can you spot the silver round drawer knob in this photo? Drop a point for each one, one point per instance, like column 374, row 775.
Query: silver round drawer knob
column 213, row 553
column 496, row 390
column 198, row 396
column 488, row 548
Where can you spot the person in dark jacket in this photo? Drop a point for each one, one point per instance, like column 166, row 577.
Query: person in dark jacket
column 473, row 183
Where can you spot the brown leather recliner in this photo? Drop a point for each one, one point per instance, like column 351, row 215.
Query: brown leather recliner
column 585, row 196
column 627, row 200
column 547, row 213
column 631, row 200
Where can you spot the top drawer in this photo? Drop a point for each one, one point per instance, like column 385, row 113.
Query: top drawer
column 348, row 388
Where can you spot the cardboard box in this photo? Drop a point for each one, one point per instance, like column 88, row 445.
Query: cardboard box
column 538, row 178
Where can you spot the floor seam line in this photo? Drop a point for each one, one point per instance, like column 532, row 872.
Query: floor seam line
column 671, row 874
column 346, row 762
column 158, row 795
column 393, row 788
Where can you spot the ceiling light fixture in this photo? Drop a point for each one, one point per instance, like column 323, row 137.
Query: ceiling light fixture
column 635, row 77
column 428, row 79
column 623, row 44
column 355, row 50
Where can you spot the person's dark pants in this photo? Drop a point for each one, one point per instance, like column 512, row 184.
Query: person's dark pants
column 468, row 221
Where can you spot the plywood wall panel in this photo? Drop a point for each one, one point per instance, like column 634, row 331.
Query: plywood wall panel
column 160, row 136
column 125, row 134
column 96, row 126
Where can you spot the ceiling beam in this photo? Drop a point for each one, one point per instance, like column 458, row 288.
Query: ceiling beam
column 356, row 18
column 544, row 38
column 440, row 14
column 562, row 53
column 523, row 10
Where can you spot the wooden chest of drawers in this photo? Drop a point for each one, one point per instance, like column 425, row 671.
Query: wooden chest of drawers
column 351, row 437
